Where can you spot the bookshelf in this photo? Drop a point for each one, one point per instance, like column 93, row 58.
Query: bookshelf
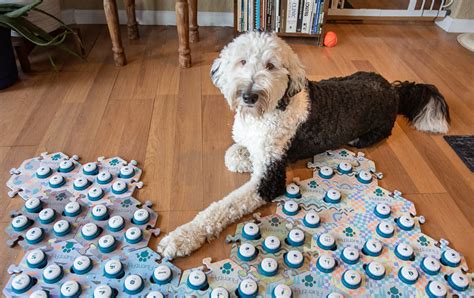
column 317, row 37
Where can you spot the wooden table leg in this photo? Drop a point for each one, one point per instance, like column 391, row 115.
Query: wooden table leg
column 182, row 23
column 131, row 19
column 110, row 8
column 193, row 26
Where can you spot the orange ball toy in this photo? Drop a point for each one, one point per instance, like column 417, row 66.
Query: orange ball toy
column 330, row 39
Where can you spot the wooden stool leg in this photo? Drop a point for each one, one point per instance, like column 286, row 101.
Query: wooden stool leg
column 182, row 23
column 193, row 26
column 22, row 53
column 131, row 19
column 111, row 15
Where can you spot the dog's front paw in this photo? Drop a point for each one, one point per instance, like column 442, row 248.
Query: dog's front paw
column 237, row 159
column 181, row 242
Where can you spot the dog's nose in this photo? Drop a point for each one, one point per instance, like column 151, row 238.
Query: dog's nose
column 250, row 98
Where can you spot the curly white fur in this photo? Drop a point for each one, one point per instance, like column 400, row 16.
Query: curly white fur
column 261, row 132
column 237, row 159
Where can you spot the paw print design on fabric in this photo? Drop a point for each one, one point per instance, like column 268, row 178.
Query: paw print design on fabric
column 226, row 268
column 143, row 256
column 56, row 156
column 126, row 203
column 60, row 196
column 308, row 281
column 394, row 293
column 275, row 221
column 313, row 184
column 343, row 153
column 423, row 241
column 68, row 247
column 378, row 192
column 349, row 232
column 114, row 162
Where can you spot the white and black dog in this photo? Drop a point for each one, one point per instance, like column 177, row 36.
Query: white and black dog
column 282, row 117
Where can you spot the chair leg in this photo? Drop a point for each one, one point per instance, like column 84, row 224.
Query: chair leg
column 110, row 8
column 132, row 24
column 193, row 26
column 182, row 23
column 22, row 53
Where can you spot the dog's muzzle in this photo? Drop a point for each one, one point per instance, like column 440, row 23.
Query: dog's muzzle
column 249, row 98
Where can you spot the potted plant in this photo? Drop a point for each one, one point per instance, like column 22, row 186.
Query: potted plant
column 13, row 17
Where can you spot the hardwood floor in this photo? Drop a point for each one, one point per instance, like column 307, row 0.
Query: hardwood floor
column 177, row 125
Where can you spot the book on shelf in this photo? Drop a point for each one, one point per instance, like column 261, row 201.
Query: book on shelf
column 283, row 16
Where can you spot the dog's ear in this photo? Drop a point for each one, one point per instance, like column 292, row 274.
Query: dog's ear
column 219, row 76
column 216, row 72
column 296, row 73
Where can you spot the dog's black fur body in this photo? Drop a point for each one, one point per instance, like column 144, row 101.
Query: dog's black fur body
column 359, row 109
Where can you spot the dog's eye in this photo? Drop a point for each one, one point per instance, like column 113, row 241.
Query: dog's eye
column 243, row 62
column 270, row 66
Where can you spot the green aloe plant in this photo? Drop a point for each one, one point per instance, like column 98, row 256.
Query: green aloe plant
column 13, row 16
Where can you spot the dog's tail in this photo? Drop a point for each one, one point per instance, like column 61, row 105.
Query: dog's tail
column 423, row 105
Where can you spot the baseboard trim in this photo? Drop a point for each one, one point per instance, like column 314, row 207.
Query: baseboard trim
column 450, row 24
column 147, row 17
